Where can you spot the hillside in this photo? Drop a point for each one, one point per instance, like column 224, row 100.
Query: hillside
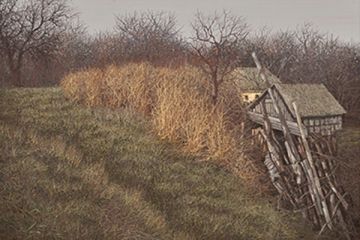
column 70, row 172
column 349, row 164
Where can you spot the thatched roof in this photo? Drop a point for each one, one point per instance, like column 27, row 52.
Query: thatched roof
column 249, row 79
column 311, row 99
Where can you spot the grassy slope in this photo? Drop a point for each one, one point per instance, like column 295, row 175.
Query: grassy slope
column 349, row 152
column 69, row 172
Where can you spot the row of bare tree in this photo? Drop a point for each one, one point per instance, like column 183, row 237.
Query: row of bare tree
column 308, row 56
column 41, row 40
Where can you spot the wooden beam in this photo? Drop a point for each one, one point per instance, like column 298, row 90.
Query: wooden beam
column 313, row 175
column 276, row 123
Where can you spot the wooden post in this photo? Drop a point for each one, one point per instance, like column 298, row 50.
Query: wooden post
column 284, row 125
column 312, row 171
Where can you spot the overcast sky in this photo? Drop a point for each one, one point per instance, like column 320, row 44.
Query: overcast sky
column 339, row 17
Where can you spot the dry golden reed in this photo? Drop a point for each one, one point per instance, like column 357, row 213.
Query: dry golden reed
column 178, row 103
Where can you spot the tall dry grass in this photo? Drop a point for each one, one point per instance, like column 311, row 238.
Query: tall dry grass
column 179, row 105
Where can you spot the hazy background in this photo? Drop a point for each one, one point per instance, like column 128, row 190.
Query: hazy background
column 341, row 18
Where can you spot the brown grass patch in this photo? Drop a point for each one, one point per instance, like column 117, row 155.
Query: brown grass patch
column 179, row 105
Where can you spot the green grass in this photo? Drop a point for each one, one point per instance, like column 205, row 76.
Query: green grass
column 69, row 172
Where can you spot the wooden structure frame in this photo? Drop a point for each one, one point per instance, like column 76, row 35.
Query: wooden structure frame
column 302, row 164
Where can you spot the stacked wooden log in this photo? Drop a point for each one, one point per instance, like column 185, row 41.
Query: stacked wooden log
column 302, row 169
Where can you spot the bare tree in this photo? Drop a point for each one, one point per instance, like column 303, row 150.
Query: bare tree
column 149, row 36
column 75, row 51
column 30, row 28
column 215, row 45
column 309, row 56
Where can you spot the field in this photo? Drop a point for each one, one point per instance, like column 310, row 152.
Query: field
column 71, row 172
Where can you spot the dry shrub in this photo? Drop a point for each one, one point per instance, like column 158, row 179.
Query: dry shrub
column 84, row 86
column 179, row 104
column 131, row 86
column 181, row 113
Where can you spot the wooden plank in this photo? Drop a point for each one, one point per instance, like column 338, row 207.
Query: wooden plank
column 275, row 123
column 285, row 127
column 314, row 179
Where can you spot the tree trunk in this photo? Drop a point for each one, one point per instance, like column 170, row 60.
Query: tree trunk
column 15, row 71
column 16, row 76
column 215, row 92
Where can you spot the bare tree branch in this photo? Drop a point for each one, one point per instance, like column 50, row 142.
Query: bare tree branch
column 30, row 27
column 215, row 45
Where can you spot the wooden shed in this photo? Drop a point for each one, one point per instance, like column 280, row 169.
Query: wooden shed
column 319, row 110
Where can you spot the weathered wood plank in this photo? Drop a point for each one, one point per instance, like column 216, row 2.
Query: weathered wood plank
column 314, row 178
column 275, row 123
